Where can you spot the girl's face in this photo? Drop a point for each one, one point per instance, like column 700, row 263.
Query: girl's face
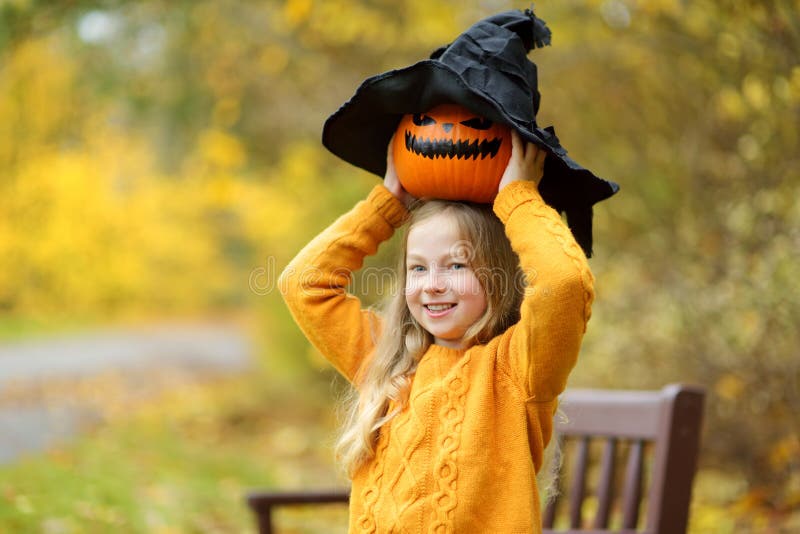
column 442, row 292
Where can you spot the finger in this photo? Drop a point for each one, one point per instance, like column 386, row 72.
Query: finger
column 389, row 149
column 541, row 154
column 391, row 172
column 517, row 148
column 531, row 152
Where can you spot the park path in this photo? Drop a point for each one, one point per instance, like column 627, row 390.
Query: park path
column 30, row 423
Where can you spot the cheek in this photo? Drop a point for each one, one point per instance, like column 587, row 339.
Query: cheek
column 413, row 288
column 413, row 294
column 474, row 296
column 468, row 287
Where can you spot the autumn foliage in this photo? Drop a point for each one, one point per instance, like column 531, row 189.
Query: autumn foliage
column 155, row 155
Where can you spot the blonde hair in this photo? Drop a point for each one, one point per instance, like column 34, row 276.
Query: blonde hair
column 382, row 387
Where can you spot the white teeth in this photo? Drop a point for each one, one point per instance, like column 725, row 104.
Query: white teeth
column 439, row 307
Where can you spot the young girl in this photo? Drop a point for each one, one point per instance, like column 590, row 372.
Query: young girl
column 457, row 384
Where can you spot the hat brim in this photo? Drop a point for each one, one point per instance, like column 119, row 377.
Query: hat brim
column 360, row 131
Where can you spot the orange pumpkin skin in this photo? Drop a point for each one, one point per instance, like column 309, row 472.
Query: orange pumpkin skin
column 451, row 153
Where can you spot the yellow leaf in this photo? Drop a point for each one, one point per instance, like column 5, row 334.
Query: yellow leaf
column 755, row 92
column 296, row 11
column 729, row 104
column 221, row 149
column 729, row 387
column 785, row 452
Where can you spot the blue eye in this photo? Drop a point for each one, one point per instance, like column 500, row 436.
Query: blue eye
column 416, row 269
column 458, row 266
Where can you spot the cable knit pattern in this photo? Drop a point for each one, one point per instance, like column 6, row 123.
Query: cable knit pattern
column 563, row 236
column 369, row 493
column 462, row 455
column 451, row 417
column 520, row 192
column 401, row 481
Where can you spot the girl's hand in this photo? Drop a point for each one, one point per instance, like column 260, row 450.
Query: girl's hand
column 526, row 163
column 392, row 182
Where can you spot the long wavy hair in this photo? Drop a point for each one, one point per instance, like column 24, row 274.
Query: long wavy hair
column 382, row 387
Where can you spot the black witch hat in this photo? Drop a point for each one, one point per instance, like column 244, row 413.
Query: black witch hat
column 486, row 70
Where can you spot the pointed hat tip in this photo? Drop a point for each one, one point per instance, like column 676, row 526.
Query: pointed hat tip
column 541, row 33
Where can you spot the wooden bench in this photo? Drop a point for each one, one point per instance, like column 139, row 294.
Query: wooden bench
column 656, row 434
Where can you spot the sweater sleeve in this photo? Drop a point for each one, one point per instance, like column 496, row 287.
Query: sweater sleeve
column 314, row 283
column 543, row 347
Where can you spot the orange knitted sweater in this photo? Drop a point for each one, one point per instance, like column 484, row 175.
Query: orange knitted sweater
column 462, row 456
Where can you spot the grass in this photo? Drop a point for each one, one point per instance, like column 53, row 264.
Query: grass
column 181, row 462
column 13, row 328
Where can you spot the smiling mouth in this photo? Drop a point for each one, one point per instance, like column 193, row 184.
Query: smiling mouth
column 439, row 308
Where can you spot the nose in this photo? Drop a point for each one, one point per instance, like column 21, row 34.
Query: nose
column 447, row 126
column 435, row 282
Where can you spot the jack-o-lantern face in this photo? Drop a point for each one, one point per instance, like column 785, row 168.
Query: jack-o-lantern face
column 451, row 153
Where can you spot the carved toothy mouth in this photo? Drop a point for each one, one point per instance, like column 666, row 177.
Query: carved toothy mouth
column 441, row 148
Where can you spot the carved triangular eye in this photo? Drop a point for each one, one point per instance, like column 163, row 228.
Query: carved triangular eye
column 423, row 120
column 478, row 123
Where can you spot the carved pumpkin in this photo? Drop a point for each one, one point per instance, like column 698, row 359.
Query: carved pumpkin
column 451, row 153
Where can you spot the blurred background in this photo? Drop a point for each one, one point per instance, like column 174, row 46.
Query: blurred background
column 160, row 163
